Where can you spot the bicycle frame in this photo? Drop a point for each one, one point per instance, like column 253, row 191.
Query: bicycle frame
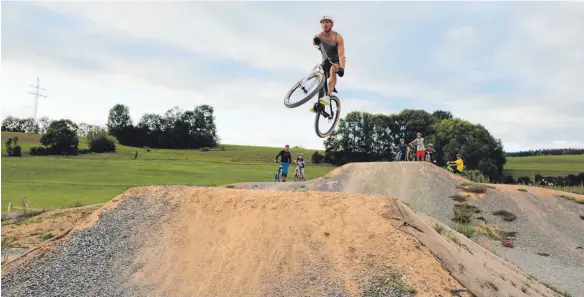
column 324, row 90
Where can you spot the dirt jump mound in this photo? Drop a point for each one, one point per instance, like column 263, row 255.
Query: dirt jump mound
column 539, row 230
column 189, row 241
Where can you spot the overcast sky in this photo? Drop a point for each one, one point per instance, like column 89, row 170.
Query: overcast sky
column 517, row 68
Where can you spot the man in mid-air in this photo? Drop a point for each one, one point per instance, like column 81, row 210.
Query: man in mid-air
column 334, row 46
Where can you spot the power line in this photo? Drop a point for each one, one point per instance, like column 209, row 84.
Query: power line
column 36, row 99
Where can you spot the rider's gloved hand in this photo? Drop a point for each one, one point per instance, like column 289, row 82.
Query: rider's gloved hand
column 316, row 40
column 341, row 72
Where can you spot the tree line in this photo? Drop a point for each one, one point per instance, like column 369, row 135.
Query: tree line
column 547, row 152
column 366, row 137
column 175, row 129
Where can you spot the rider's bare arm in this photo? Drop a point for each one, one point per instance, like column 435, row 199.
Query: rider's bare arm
column 341, row 48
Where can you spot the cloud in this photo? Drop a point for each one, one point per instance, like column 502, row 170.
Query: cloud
column 514, row 67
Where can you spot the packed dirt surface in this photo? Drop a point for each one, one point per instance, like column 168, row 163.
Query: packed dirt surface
column 190, row 241
column 19, row 235
column 543, row 234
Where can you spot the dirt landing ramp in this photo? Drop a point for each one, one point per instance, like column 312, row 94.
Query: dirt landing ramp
column 549, row 229
column 187, row 241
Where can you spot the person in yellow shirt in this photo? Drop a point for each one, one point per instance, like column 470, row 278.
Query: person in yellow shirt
column 458, row 163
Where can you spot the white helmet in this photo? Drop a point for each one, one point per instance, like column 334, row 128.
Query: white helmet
column 327, row 17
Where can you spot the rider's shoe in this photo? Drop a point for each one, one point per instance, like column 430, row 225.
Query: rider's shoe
column 326, row 100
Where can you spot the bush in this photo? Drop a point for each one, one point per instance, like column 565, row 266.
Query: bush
column 61, row 138
column 477, row 176
column 16, row 152
column 317, row 158
column 205, row 149
column 40, row 151
column 102, row 144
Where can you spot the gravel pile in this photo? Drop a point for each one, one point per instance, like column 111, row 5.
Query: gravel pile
column 96, row 261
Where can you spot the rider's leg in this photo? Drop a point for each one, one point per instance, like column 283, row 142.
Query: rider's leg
column 331, row 84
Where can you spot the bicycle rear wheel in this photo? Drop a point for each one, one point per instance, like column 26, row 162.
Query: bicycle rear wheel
column 322, row 113
column 307, row 87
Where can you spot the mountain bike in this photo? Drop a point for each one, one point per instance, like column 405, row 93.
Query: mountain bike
column 297, row 174
column 278, row 174
column 320, row 86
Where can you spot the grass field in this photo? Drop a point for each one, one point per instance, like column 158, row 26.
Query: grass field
column 56, row 182
column 544, row 165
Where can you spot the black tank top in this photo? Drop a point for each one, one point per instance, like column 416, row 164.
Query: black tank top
column 331, row 50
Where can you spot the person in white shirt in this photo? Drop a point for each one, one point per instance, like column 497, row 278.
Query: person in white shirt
column 300, row 165
column 420, row 149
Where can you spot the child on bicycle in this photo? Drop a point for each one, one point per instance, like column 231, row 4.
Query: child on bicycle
column 402, row 149
column 458, row 163
column 300, row 165
column 430, row 153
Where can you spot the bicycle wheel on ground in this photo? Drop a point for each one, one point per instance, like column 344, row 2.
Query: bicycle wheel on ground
column 304, row 89
column 322, row 117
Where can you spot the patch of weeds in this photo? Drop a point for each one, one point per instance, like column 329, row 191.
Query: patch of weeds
column 524, row 289
column 522, row 190
column 36, row 232
column 439, row 228
column 230, row 186
column 458, row 198
column 47, row 236
column 508, row 234
column 543, row 254
column 482, row 219
column 77, row 204
column 490, row 233
column 455, row 239
column 351, row 249
column 579, row 248
column 7, row 243
column 467, row 230
column 562, row 293
column 493, row 286
column 472, row 188
column 513, row 284
column 390, row 285
column 572, row 199
column 326, row 234
column 507, row 216
column 463, row 212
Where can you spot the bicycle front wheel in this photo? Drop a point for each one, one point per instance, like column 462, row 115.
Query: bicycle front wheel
column 304, row 89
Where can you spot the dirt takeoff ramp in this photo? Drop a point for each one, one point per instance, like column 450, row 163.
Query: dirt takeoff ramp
column 189, row 241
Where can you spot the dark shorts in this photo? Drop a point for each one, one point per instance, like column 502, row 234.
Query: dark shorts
column 326, row 66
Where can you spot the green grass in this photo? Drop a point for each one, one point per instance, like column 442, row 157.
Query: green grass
column 56, row 182
column 544, row 165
